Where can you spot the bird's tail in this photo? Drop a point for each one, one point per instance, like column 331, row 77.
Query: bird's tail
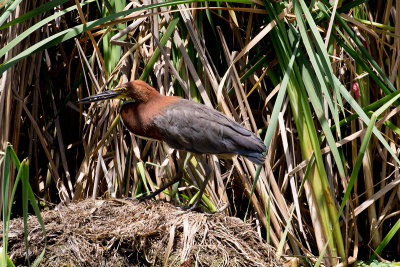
column 254, row 156
column 252, row 147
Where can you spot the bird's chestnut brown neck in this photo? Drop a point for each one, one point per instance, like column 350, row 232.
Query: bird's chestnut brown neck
column 141, row 92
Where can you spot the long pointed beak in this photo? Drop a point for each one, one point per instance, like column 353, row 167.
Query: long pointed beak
column 102, row 96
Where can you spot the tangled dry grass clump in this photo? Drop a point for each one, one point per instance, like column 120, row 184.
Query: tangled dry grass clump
column 129, row 233
column 319, row 83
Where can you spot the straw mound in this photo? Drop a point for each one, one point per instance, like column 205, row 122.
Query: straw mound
column 128, row 233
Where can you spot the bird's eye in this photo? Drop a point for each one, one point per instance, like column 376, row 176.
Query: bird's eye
column 121, row 90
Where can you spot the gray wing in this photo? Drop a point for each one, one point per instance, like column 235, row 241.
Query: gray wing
column 190, row 126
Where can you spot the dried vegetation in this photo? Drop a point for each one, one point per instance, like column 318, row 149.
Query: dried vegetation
column 326, row 179
column 128, row 233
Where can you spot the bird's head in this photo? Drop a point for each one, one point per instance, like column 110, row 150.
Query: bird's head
column 137, row 91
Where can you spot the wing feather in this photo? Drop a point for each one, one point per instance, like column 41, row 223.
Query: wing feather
column 187, row 125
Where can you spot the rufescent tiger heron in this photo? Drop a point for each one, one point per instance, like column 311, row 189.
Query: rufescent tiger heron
column 182, row 124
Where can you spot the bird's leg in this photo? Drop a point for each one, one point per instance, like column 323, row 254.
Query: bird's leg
column 207, row 176
column 176, row 179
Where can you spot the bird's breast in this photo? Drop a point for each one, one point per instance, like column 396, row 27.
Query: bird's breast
column 139, row 118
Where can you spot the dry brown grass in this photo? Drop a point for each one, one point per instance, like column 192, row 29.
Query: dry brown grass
column 80, row 152
column 128, row 233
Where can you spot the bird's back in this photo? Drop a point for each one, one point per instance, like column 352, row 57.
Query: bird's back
column 190, row 126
